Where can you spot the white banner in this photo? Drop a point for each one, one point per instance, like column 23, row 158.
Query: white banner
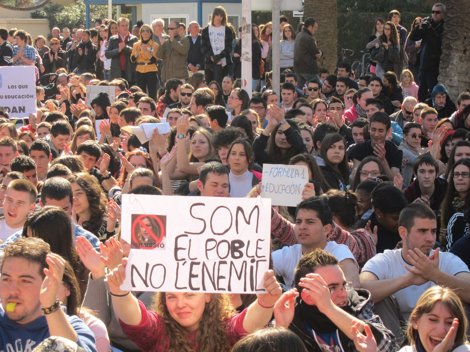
column 93, row 91
column 18, row 90
column 203, row 244
column 284, row 183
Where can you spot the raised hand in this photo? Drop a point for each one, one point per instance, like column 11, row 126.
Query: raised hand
column 284, row 308
column 90, row 257
column 112, row 253
column 52, row 280
column 115, row 278
column 315, row 291
column 364, row 342
column 104, row 163
column 449, row 340
column 273, row 290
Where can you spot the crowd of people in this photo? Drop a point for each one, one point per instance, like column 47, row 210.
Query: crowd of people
column 374, row 258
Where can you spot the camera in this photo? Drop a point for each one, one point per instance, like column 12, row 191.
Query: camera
column 426, row 23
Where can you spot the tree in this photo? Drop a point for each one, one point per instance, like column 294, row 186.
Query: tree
column 324, row 11
column 455, row 58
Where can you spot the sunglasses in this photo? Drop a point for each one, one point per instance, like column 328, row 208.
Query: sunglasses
column 186, row 94
column 171, row 28
column 436, row 12
column 145, row 30
column 408, row 112
column 310, row 89
column 416, row 136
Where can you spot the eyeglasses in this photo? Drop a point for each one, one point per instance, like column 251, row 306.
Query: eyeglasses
column 436, row 12
column 315, row 89
column 416, row 136
column 186, row 94
column 370, row 173
column 347, row 98
column 347, row 286
column 461, row 174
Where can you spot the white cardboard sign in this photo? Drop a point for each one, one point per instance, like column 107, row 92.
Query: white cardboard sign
column 93, row 91
column 284, row 183
column 18, row 90
column 203, row 244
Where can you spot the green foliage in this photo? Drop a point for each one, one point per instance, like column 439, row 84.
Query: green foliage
column 62, row 16
column 71, row 15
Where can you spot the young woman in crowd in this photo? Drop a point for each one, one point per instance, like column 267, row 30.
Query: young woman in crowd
column 218, row 94
column 336, row 168
column 192, row 151
column 133, row 160
column 253, row 117
column 241, row 178
column 460, row 150
column 386, row 51
column 319, row 111
column 287, row 47
column 89, row 205
column 437, row 323
column 189, row 321
column 456, row 201
column 392, row 89
column 307, row 136
column 82, row 134
column 217, row 52
column 238, row 101
column 280, row 140
column 369, row 168
column 145, row 55
column 377, row 32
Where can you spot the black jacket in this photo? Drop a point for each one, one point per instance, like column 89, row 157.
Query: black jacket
column 195, row 56
column 361, row 307
column 431, row 35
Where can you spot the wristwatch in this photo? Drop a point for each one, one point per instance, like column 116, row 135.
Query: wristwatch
column 180, row 136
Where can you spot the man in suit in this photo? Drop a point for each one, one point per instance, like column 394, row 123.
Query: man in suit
column 119, row 51
column 195, row 57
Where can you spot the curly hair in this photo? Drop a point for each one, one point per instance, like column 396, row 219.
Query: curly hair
column 212, row 334
column 96, row 200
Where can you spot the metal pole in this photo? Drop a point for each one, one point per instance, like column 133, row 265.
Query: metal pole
column 276, row 81
column 246, row 52
column 110, row 9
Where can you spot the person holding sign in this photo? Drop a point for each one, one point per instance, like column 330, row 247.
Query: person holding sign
column 203, row 321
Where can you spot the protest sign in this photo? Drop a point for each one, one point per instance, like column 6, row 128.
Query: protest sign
column 203, row 244
column 18, row 90
column 93, row 91
column 284, row 183
column 145, row 130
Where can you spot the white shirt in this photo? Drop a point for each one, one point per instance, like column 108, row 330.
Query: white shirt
column 285, row 259
column 390, row 264
column 6, row 231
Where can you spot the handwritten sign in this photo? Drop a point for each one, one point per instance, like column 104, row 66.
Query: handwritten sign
column 18, row 90
column 203, row 244
column 284, row 183
column 93, row 91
